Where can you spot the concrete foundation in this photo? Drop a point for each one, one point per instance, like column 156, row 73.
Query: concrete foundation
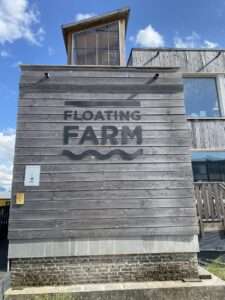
column 4, row 283
column 212, row 289
column 102, row 269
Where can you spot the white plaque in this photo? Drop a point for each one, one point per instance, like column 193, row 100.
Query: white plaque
column 32, row 176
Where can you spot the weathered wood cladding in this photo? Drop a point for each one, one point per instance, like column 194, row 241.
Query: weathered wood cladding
column 208, row 134
column 189, row 60
column 113, row 198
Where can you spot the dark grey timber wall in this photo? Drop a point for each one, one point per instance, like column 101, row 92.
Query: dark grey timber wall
column 150, row 195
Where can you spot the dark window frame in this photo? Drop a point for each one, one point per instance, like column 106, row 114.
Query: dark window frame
column 209, row 175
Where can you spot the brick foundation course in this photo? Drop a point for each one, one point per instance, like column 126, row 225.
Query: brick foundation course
column 102, row 269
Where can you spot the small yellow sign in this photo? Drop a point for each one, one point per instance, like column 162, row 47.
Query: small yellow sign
column 4, row 202
column 19, row 198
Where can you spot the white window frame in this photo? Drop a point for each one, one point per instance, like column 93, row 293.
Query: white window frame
column 220, row 85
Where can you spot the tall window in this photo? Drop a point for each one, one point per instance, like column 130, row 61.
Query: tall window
column 208, row 166
column 97, row 46
column 201, row 97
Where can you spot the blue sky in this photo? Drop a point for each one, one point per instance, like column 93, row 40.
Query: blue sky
column 30, row 33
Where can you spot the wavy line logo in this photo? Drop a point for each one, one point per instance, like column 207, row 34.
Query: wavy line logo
column 111, row 118
column 123, row 154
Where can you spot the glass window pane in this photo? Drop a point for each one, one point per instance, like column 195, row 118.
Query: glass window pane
column 91, row 56
column 80, row 41
column 97, row 46
column 103, row 57
column 201, row 98
column 113, row 41
column 208, row 166
column 113, row 27
column 102, row 40
column 199, row 171
column 114, row 57
column 79, row 57
column 214, row 171
column 91, row 39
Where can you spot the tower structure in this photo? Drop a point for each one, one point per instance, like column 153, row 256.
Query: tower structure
column 102, row 185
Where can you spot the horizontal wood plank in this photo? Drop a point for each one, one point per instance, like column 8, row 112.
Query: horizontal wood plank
column 107, row 80
column 189, row 61
column 145, row 126
column 102, row 233
column 52, row 159
column 86, row 95
column 117, row 167
column 103, row 223
column 85, row 214
column 52, row 103
column 92, row 198
column 53, row 195
column 92, row 204
column 106, row 185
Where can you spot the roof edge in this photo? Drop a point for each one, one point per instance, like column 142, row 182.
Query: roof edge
column 119, row 12
column 178, row 49
column 92, row 21
column 45, row 68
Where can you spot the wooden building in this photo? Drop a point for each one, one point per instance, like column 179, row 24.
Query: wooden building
column 204, row 90
column 102, row 183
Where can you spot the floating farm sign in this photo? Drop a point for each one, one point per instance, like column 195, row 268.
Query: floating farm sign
column 82, row 112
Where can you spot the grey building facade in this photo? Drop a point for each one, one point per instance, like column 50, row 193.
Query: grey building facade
column 105, row 158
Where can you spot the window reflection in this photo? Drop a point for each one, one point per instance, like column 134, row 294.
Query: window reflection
column 97, row 46
column 208, row 166
column 201, row 97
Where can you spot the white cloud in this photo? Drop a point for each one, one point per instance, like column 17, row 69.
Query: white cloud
column 19, row 21
column 17, row 64
column 7, row 142
column 209, row 44
column 190, row 41
column 148, row 37
column 51, row 51
column 4, row 53
column 81, row 16
column 193, row 41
